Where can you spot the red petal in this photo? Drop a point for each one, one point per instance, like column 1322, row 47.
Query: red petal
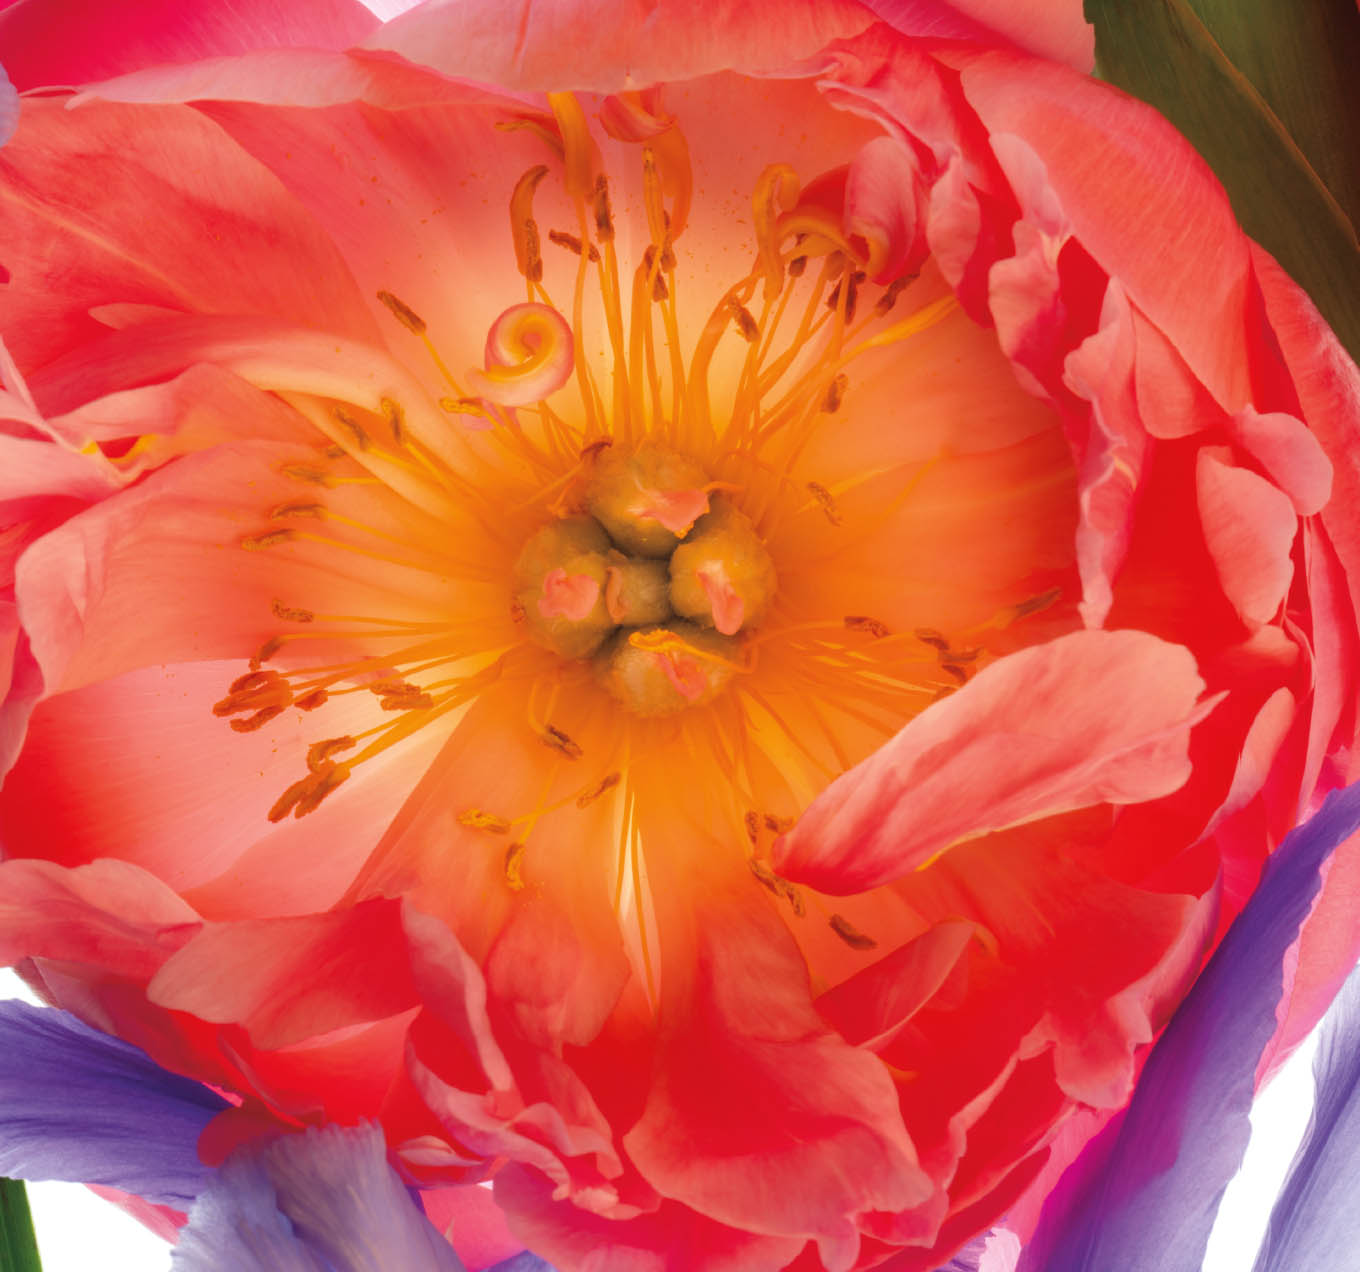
column 97, row 41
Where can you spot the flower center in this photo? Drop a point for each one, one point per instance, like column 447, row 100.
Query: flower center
column 624, row 531
column 653, row 577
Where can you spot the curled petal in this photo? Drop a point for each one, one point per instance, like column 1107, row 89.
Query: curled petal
column 882, row 206
column 529, row 355
column 635, row 116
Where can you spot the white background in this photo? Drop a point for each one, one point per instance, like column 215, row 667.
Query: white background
column 77, row 1231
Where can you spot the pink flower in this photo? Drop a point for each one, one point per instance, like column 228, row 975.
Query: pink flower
column 704, row 610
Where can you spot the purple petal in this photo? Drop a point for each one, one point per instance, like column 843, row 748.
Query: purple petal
column 969, row 1259
column 78, row 1105
column 1316, row 1221
column 521, row 1262
column 322, row 1201
column 1143, row 1196
column 9, row 108
column 236, row 1224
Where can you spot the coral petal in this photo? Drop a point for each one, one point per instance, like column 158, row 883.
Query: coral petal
column 1249, row 527
column 1088, row 718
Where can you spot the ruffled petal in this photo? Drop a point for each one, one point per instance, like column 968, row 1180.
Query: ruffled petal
column 78, row 1105
column 565, row 44
column 1088, row 718
column 758, row 1115
column 672, row 1239
column 1124, row 178
column 289, row 979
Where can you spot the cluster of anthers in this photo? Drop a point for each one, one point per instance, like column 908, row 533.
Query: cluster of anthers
column 618, row 546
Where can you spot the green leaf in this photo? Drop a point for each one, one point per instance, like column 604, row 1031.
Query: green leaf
column 18, row 1246
column 1267, row 92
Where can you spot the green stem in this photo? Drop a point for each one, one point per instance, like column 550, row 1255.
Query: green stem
column 18, row 1245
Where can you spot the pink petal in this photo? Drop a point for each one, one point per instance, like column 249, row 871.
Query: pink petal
column 667, row 1240
column 1249, row 527
column 566, row 44
column 113, row 916
column 1328, row 384
column 1112, row 451
column 758, row 1115
column 551, row 950
column 1125, row 178
column 1291, row 455
column 285, row 76
column 99, row 41
column 289, row 979
column 134, row 766
column 885, row 205
column 874, row 1004
column 1088, row 718
column 1171, row 399
column 135, row 214
column 1053, row 29
column 518, row 1103
column 472, row 1223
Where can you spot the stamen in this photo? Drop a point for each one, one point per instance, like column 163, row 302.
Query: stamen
column 893, row 290
column 604, row 214
column 514, row 863
column 835, row 394
column 356, row 431
column 269, row 539
column 573, row 244
column 477, row 819
column 403, row 313
column 319, row 753
column 746, row 323
column 870, row 626
column 776, row 189
column 579, row 158
column 606, row 783
column 291, row 614
column 313, row 510
column 307, row 473
column 305, row 795
column 554, row 737
column 256, row 721
column 850, row 934
column 824, row 501
column 395, row 416
column 266, row 652
column 523, row 227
